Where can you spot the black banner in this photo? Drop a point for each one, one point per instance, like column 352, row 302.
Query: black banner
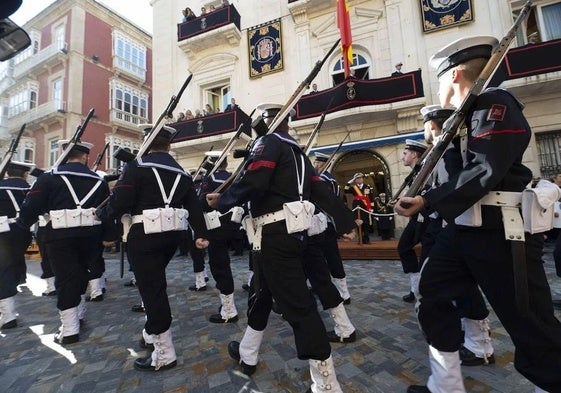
column 221, row 123
column 356, row 92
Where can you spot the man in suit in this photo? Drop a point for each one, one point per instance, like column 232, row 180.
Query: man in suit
column 231, row 106
column 397, row 71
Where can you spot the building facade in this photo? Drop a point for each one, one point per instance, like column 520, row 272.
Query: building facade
column 83, row 56
column 220, row 50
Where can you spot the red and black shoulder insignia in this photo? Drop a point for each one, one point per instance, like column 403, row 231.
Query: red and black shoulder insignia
column 496, row 113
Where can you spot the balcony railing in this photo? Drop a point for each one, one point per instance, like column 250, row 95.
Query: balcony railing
column 220, row 123
column 50, row 52
column 123, row 65
column 43, row 111
column 126, row 118
column 211, row 21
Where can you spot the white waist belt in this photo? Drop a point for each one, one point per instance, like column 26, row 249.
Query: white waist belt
column 260, row 222
column 137, row 219
column 502, row 198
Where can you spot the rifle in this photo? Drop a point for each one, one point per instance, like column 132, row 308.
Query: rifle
column 451, row 126
column 99, row 157
column 332, row 156
column 74, row 140
column 308, row 145
column 411, row 176
column 230, row 145
column 10, row 153
column 284, row 111
column 299, row 92
column 200, row 168
column 166, row 114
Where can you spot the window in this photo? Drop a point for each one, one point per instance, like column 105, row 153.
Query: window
column 128, row 103
column 59, row 35
column 31, row 50
column 543, row 23
column 360, row 68
column 116, row 143
column 22, row 100
column 129, row 55
column 58, row 94
column 53, row 151
column 218, row 97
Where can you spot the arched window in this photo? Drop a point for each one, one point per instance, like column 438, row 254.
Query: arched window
column 360, row 68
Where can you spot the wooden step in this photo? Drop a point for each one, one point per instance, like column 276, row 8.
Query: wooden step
column 376, row 249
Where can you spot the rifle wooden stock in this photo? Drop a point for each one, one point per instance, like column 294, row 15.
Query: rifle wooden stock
column 99, row 157
column 451, row 126
column 10, row 153
column 74, row 140
column 332, row 156
column 285, row 110
column 166, row 114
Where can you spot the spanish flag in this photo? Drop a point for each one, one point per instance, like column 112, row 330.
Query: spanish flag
column 344, row 25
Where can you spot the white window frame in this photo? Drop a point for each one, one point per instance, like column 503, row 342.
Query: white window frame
column 522, row 34
column 23, row 99
column 53, row 151
column 32, row 49
column 361, row 60
column 219, row 93
column 122, row 95
column 129, row 55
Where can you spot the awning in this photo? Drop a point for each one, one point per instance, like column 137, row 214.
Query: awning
column 369, row 143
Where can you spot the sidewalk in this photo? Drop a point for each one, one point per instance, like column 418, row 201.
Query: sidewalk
column 389, row 354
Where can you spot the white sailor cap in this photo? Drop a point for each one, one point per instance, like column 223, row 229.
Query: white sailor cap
column 213, row 153
column 462, row 50
column 432, row 112
column 80, row 146
column 321, row 157
column 167, row 132
column 25, row 166
column 414, row 145
column 270, row 110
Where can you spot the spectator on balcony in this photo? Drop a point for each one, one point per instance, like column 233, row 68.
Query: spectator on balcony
column 231, row 106
column 225, row 3
column 188, row 114
column 188, row 14
column 203, row 11
column 208, row 110
column 180, row 116
column 198, row 113
column 314, row 88
column 397, row 71
column 212, row 8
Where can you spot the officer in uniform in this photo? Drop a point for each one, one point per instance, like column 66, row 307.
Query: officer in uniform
column 361, row 199
column 414, row 229
column 69, row 192
column 384, row 217
column 277, row 173
column 14, row 240
column 330, row 236
column 155, row 190
column 472, row 249
column 218, row 253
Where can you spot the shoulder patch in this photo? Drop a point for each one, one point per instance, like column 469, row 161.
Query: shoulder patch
column 497, row 113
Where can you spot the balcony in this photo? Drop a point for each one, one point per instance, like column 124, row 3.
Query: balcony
column 363, row 100
column 6, row 79
column 531, row 69
column 127, row 119
column 123, row 66
column 46, row 57
column 55, row 110
column 214, row 28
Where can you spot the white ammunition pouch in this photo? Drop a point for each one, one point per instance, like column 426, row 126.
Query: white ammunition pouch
column 298, row 215
column 74, row 218
column 5, row 221
column 237, row 214
column 212, row 219
column 163, row 219
column 538, row 206
column 318, row 225
column 247, row 224
column 44, row 220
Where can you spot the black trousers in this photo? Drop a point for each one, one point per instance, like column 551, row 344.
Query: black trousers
column 281, row 275
column 557, row 255
column 70, row 259
column 463, row 258
column 410, row 236
column 97, row 268
column 149, row 256
column 45, row 263
column 331, row 252
column 12, row 260
column 315, row 268
column 219, row 262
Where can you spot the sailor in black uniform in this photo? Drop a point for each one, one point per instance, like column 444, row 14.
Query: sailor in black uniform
column 485, row 232
column 14, row 240
column 220, row 230
column 160, row 196
column 69, row 193
column 279, row 181
column 330, row 236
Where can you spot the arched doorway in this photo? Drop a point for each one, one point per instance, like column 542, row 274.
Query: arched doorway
column 376, row 171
